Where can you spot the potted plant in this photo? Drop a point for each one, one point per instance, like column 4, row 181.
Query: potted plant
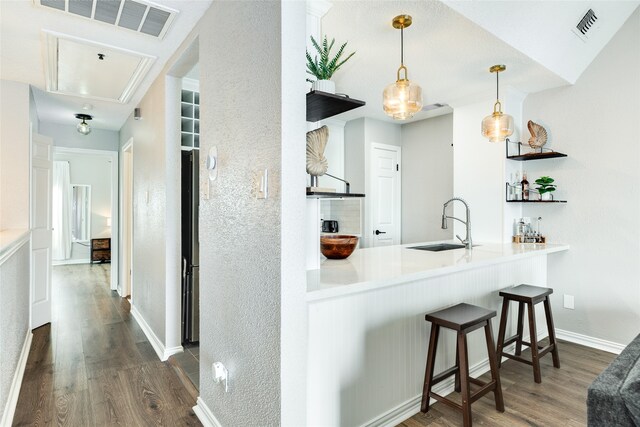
column 545, row 187
column 322, row 69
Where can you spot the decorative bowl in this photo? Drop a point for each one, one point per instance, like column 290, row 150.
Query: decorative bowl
column 339, row 246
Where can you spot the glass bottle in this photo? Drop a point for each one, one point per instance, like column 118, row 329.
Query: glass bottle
column 524, row 185
column 516, row 187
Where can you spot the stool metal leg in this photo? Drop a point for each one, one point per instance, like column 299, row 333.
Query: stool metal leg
column 552, row 332
column 533, row 339
column 431, row 358
column 502, row 329
column 493, row 364
column 464, row 379
column 520, row 328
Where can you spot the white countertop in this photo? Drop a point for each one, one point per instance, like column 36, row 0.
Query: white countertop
column 373, row 268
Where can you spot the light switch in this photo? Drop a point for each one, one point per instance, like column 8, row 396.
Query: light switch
column 262, row 192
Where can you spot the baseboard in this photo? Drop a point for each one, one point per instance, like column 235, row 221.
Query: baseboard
column 587, row 341
column 162, row 352
column 411, row 407
column 205, row 415
column 71, row 262
column 14, row 391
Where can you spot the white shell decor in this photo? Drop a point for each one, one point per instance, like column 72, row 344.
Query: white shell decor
column 316, row 142
column 538, row 135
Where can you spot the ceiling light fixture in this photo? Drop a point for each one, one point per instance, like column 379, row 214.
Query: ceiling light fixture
column 83, row 127
column 402, row 99
column 498, row 126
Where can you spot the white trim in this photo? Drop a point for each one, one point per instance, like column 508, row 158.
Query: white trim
column 318, row 8
column 115, row 202
column 587, row 341
column 126, row 148
column 72, row 262
column 12, row 241
column 14, row 391
column 162, row 352
column 205, row 415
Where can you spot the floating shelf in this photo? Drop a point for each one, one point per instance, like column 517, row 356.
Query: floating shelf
column 537, row 156
column 325, row 195
column 536, row 201
column 321, row 105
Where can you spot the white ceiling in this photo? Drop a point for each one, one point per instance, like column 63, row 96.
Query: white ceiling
column 449, row 55
column 23, row 54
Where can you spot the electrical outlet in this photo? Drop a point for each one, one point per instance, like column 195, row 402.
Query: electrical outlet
column 221, row 374
column 568, row 302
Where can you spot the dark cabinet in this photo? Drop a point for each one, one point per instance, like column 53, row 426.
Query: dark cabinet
column 101, row 250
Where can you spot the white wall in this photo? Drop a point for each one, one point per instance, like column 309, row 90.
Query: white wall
column 68, row 136
column 596, row 123
column 96, row 172
column 427, row 178
column 14, row 155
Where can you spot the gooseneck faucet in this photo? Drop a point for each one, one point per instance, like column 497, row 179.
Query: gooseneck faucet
column 467, row 240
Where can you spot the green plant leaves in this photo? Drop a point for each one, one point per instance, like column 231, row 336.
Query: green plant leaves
column 324, row 68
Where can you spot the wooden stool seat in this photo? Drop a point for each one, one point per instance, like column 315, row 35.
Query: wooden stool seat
column 462, row 318
column 530, row 296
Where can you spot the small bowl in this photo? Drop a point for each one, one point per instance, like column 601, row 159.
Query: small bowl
column 339, row 246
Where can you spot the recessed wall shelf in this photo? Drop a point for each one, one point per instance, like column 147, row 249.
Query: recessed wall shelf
column 322, row 105
column 190, row 120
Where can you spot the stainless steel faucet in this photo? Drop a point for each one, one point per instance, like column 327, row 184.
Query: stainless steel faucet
column 467, row 240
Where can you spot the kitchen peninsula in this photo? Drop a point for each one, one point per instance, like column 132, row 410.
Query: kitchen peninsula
column 367, row 333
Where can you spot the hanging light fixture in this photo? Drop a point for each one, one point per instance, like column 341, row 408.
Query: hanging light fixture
column 498, row 126
column 83, row 127
column 402, row 99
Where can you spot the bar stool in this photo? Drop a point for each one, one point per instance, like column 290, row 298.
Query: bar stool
column 529, row 295
column 462, row 318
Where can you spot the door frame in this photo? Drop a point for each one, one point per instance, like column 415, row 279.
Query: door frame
column 115, row 214
column 370, row 199
column 127, row 220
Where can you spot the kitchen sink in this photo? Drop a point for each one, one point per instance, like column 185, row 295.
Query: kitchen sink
column 439, row 247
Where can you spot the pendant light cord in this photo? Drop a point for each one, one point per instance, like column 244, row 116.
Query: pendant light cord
column 402, row 45
column 497, row 86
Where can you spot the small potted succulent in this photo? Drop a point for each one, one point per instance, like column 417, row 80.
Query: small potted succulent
column 322, row 69
column 545, row 187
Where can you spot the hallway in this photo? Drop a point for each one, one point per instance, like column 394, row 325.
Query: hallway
column 93, row 366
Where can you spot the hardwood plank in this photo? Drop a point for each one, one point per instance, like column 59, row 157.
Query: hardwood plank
column 560, row 400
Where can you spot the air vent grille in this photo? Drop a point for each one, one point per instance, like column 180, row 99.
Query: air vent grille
column 135, row 15
column 587, row 24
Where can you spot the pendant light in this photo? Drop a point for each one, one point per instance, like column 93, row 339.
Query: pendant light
column 83, row 127
column 402, row 99
column 498, row 126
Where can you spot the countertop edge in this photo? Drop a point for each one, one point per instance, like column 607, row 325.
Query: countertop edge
column 344, row 290
column 11, row 240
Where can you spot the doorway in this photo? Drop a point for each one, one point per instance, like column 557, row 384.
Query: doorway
column 126, row 272
column 386, row 188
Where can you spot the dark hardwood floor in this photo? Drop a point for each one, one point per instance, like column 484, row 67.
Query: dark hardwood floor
column 560, row 400
column 93, row 366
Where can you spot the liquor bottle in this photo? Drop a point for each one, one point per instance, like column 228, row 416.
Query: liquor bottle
column 524, row 185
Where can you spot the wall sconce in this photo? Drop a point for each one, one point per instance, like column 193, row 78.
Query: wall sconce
column 83, row 127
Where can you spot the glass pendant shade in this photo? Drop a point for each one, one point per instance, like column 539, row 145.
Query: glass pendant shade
column 497, row 127
column 84, row 128
column 402, row 99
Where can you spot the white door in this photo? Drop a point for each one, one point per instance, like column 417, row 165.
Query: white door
column 385, row 193
column 41, row 194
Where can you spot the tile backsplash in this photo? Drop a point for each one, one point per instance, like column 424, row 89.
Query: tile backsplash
column 346, row 211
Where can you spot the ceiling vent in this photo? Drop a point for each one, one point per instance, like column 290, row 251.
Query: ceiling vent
column 586, row 25
column 135, row 15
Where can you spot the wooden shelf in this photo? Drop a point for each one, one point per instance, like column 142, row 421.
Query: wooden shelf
column 536, row 201
column 537, row 156
column 325, row 195
column 321, row 105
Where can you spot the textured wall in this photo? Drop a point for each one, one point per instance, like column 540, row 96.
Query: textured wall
column 240, row 235
column 68, row 136
column 14, row 155
column 14, row 316
column 427, row 177
column 596, row 123
column 149, row 207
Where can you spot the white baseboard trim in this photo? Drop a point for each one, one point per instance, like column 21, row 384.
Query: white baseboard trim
column 587, row 341
column 71, row 262
column 205, row 415
column 162, row 352
column 14, row 391
column 412, row 406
